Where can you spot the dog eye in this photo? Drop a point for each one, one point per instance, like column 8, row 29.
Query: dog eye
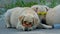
column 25, row 22
column 29, row 22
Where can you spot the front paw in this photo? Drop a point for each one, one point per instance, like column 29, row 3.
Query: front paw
column 19, row 28
column 30, row 29
column 7, row 26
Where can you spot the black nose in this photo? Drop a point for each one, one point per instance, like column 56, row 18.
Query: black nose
column 26, row 29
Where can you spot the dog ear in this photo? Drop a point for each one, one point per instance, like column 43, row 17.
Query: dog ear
column 21, row 18
column 47, row 8
column 35, row 9
column 35, row 21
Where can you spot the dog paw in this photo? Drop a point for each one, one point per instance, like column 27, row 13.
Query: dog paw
column 7, row 26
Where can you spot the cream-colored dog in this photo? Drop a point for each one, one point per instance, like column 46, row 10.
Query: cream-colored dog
column 53, row 16
column 41, row 11
column 23, row 19
column 40, row 8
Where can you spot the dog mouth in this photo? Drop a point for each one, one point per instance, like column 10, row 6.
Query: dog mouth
column 26, row 24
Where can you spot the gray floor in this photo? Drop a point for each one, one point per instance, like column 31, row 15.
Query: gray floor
column 4, row 30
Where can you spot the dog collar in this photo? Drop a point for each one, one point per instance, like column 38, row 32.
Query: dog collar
column 41, row 13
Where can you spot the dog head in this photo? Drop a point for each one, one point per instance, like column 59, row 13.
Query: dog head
column 28, row 22
column 41, row 10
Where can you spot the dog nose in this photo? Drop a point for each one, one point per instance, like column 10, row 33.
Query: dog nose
column 26, row 29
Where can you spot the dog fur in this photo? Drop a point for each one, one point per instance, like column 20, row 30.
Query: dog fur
column 41, row 8
column 14, row 17
column 53, row 16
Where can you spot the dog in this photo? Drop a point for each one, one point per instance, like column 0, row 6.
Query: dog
column 41, row 10
column 25, row 19
column 53, row 16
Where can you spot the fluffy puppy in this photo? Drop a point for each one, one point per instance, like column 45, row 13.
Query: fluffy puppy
column 23, row 19
column 41, row 11
column 53, row 16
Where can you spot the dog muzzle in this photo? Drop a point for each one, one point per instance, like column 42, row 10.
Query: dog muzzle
column 25, row 24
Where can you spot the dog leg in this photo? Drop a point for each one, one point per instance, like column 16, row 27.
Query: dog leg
column 7, row 19
column 44, row 26
column 47, row 26
column 8, row 24
column 19, row 26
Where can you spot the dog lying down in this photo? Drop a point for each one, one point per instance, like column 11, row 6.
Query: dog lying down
column 25, row 19
column 41, row 10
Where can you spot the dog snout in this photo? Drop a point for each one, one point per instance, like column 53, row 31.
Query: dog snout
column 26, row 24
column 26, row 29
